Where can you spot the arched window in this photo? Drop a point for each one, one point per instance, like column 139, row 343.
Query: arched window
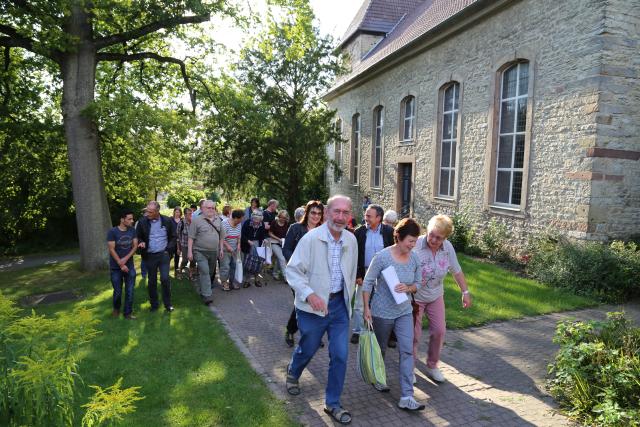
column 337, row 157
column 448, row 139
column 355, row 148
column 512, row 128
column 407, row 118
column 376, row 152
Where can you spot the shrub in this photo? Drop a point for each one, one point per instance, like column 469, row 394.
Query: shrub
column 607, row 272
column 39, row 368
column 494, row 241
column 596, row 372
column 463, row 232
column 184, row 197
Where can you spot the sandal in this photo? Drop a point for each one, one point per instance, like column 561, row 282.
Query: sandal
column 340, row 415
column 246, row 284
column 258, row 284
column 293, row 388
column 225, row 286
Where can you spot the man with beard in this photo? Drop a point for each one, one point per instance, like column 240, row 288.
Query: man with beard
column 322, row 273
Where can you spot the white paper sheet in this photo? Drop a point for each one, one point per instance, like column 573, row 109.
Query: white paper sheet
column 391, row 277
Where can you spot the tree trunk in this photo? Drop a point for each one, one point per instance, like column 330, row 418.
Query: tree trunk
column 78, row 76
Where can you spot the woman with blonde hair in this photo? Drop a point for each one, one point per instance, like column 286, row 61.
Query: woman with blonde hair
column 437, row 258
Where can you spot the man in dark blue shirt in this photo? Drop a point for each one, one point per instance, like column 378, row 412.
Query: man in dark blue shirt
column 122, row 243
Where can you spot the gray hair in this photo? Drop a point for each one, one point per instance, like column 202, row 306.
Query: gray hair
column 378, row 209
column 338, row 197
column 298, row 214
column 153, row 205
column 390, row 216
column 272, row 202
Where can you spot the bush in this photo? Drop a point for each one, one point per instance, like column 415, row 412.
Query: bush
column 184, row 197
column 39, row 370
column 596, row 372
column 494, row 241
column 607, row 272
column 463, row 232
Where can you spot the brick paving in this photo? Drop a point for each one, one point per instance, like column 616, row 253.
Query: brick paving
column 495, row 373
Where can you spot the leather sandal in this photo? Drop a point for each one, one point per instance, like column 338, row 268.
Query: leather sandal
column 340, row 415
column 293, row 388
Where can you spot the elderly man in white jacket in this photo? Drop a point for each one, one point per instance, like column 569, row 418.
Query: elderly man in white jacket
column 322, row 272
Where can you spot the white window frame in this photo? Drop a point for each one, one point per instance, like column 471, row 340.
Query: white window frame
column 356, row 140
column 411, row 120
column 512, row 170
column 455, row 113
column 337, row 153
column 376, row 162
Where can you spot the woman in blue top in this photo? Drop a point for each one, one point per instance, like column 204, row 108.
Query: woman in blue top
column 385, row 313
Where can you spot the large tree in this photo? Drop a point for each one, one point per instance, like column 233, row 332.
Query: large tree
column 268, row 130
column 72, row 37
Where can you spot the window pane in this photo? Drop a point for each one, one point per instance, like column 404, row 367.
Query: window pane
column 519, row 154
column 507, row 116
column 446, row 126
column 408, row 107
column 444, row 182
column 407, row 130
column 505, row 151
column 522, row 115
column 378, row 159
column 452, row 181
column 376, row 177
column 509, row 82
column 446, row 154
column 523, row 87
column 454, row 118
column 502, row 187
column 516, row 191
column 453, row 154
column 456, row 90
column 448, row 98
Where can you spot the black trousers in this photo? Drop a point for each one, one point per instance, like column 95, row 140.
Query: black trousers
column 292, row 324
column 158, row 261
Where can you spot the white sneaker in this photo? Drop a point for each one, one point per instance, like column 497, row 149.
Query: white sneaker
column 410, row 404
column 381, row 387
column 435, row 374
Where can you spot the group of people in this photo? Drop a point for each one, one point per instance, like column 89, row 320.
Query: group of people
column 336, row 273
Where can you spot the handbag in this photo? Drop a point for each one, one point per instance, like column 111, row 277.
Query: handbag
column 253, row 262
column 238, row 274
column 370, row 363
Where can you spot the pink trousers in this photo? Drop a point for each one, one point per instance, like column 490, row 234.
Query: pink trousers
column 437, row 329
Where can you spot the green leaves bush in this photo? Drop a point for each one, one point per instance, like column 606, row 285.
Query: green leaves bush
column 596, row 372
column 39, row 370
column 610, row 273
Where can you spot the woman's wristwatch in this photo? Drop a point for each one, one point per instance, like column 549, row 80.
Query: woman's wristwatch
column 465, row 292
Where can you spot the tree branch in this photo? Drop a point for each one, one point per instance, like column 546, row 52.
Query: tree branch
column 14, row 39
column 103, row 42
column 130, row 57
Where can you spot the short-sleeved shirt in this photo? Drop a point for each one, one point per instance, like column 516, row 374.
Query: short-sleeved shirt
column 232, row 234
column 434, row 268
column 124, row 245
column 277, row 230
column 383, row 304
column 206, row 233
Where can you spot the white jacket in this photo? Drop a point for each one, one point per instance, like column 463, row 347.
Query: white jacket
column 308, row 269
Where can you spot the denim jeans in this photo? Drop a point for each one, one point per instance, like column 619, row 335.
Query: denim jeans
column 312, row 328
column 143, row 268
column 118, row 277
column 279, row 260
column 228, row 266
column 158, row 261
column 403, row 327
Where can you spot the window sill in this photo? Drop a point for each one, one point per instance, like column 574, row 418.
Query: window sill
column 409, row 143
column 507, row 211
column 445, row 200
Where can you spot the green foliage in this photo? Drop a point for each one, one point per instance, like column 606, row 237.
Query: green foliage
column 267, row 130
column 608, row 272
column 39, row 367
column 494, row 240
column 108, row 405
column 596, row 372
column 464, row 233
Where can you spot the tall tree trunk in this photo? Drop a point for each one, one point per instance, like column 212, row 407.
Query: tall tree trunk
column 78, row 76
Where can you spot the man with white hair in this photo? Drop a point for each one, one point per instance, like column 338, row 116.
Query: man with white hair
column 322, row 273
column 390, row 218
column 206, row 235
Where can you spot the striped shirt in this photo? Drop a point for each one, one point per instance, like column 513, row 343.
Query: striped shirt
column 335, row 251
column 232, row 234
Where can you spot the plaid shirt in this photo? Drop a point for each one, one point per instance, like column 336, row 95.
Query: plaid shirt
column 335, row 251
column 183, row 233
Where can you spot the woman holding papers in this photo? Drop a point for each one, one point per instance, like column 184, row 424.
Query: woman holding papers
column 394, row 272
column 437, row 258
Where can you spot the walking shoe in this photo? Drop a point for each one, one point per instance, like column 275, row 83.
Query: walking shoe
column 225, row 286
column 355, row 338
column 169, row 309
column 208, row 302
column 130, row 317
column 391, row 343
column 383, row 388
column 435, row 374
column 236, row 285
column 246, row 284
column 288, row 338
column 410, row 404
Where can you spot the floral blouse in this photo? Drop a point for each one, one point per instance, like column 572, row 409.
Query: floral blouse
column 434, row 268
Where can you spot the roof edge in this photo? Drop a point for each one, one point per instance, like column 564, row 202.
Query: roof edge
column 473, row 13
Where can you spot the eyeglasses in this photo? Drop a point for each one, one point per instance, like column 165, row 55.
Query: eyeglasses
column 315, row 213
column 435, row 237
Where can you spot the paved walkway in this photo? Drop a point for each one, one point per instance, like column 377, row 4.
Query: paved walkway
column 20, row 262
column 495, row 373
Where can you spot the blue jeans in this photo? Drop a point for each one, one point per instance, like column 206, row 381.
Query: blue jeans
column 158, row 262
column 143, row 268
column 312, row 328
column 129, row 279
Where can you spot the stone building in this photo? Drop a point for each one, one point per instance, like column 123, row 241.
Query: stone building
column 526, row 111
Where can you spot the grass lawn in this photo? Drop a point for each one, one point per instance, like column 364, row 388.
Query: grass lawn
column 499, row 294
column 188, row 369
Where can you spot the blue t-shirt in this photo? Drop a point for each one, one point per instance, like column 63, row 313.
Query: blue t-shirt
column 124, row 244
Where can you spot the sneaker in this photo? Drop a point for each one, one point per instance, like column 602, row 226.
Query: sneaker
column 236, row 285
column 435, row 374
column 383, row 388
column 130, row 317
column 410, row 404
column 288, row 338
column 414, row 380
